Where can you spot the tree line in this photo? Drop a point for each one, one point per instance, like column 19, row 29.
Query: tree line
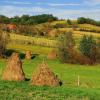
column 83, row 20
column 28, row 20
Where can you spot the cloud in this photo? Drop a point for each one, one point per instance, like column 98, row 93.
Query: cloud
column 17, row 2
column 13, row 10
column 61, row 13
column 74, row 14
column 62, row 4
column 59, row 4
column 92, row 2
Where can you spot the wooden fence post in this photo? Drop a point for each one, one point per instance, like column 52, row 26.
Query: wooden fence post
column 78, row 81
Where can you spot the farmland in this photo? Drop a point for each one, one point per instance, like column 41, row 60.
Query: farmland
column 40, row 46
column 68, row 73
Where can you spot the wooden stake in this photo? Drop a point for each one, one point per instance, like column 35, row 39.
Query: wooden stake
column 78, row 81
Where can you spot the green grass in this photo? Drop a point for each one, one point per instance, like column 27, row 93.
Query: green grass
column 89, row 88
column 33, row 48
column 43, row 41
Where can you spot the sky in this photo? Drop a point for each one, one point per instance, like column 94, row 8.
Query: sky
column 63, row 9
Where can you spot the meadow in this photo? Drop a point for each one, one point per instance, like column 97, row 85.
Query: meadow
column 89, row 88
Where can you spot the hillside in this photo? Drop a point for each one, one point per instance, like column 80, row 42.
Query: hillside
column 79, row 82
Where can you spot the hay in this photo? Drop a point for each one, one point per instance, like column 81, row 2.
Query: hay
column 14, row 71
column 44, row 77
column 28, row 55
column 52, row 55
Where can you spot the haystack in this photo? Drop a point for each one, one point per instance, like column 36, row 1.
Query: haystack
column 28, row 55
column 14, row 71
column 52, row 55
column 44, row 77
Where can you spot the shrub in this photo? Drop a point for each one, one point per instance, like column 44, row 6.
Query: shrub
column 25, row 29
column 78, row 58
column 69, row 22
column 60, row 25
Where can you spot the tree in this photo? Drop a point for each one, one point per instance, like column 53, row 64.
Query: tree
column 88, row 47
column 83, row 20
column 28, row 20
column 69, row 22
column 4, row 19
column 15, row 20
column 66, row 43
column 98, row 51
column 4, row 37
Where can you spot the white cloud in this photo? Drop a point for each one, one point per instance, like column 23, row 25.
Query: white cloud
column 73, row 14
column 17, row 2
column 61, row 13
column 13, row 10
column 92, row 2
column 59, row 4
column 63, row 4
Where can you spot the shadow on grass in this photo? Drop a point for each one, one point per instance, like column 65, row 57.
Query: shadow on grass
column 9, row 52
column 27, row 79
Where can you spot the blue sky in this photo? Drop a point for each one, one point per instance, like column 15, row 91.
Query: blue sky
column 61, row 8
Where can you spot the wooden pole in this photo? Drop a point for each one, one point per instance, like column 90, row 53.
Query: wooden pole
column 78, row 81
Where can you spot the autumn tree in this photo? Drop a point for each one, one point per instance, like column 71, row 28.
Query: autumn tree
column 66, row 43
column 4, row 37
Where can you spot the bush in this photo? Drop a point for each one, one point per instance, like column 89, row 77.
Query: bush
column 78, row 58
column 26, row 30
column 60, row 25
column 69, row 22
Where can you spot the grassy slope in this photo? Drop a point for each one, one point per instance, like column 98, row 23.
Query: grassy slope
column 89, row 88
column 34, row 49
column 89, row 77
column 34, row 40
column 80, row 33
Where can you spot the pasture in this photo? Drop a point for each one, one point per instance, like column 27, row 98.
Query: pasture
column 89, row 88
column 89, row 76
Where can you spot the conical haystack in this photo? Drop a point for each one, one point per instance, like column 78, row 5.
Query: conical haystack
column 45, row 77
column 14, row 71
column 52, row 55
column 28, row 55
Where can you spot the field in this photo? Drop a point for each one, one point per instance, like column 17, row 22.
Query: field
column 89, row 88
column 47, row 42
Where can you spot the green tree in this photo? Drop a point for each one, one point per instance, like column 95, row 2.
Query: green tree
column 98, row 51
column 4, row 19
column 88, row 47
column 69, row 22
column 15, row 20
